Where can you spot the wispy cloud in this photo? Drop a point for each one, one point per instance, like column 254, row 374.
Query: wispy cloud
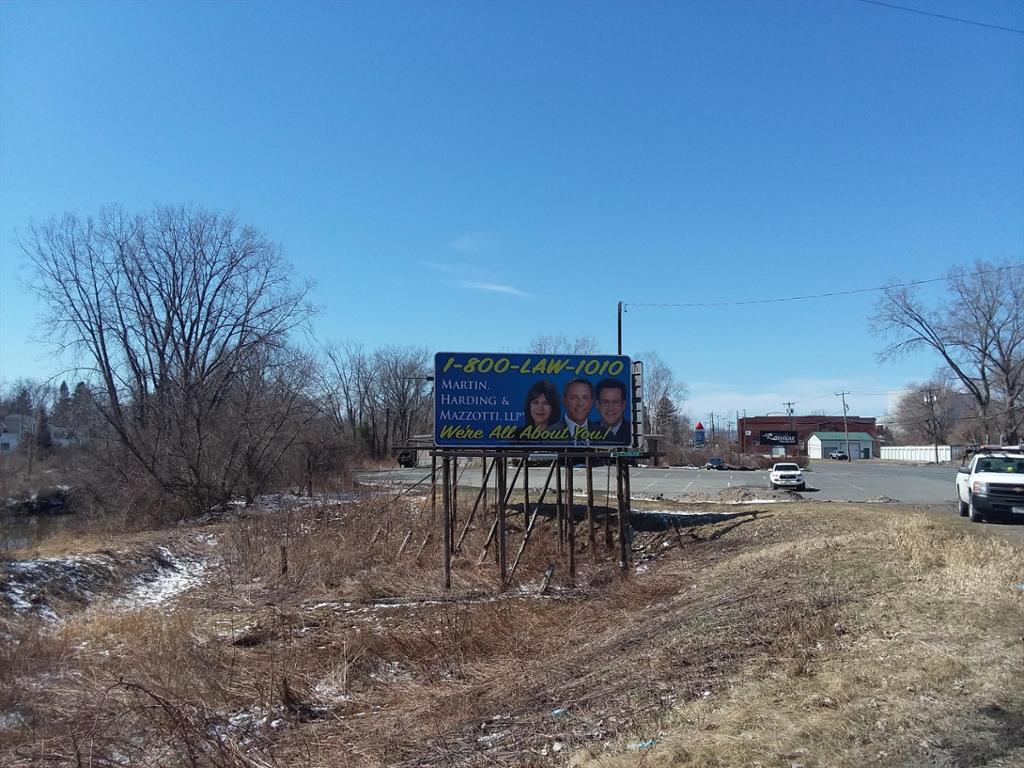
column 492, row 287
column 809, row 396
column 473, row 242
column 448, row 269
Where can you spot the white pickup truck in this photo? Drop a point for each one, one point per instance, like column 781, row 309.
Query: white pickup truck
column 991, row 484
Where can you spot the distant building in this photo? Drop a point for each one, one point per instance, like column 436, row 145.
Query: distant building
column 789, row 435
column 17, row 428
column 857, row 445
column 14, row 428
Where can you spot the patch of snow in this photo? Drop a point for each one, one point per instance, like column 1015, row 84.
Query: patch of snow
column 330, row 690
column 387, row 671
column 10, row 721
column 169, row 581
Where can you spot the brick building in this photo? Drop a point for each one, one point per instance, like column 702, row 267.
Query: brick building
column 774, row 434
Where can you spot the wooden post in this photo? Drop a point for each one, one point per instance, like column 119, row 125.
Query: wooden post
column 623, row 544
column 502, row 564
column 447, row 522
column 590, row 506
column 570, row 519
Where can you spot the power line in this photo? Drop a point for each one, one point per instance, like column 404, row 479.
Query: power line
column 695, row 305
column 958, row 19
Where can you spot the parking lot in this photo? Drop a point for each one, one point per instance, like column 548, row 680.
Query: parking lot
column 826, row 481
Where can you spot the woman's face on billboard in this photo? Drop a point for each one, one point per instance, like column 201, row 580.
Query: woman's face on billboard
column 540, row 411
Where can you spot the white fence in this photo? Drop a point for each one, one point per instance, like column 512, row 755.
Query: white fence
column 921, row 452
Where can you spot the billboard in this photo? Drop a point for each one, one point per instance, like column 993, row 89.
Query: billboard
column 778, row 437
column 531, row 400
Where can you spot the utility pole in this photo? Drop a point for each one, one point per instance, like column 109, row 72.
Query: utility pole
column 935, row 422
column 789, row 412
column 620, row 328
column 846, row 427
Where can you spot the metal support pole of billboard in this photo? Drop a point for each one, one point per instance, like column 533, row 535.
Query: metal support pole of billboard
column 623, row 544
column 608, row 509
column 526, row 489
column 481, row 495
column 590, row 506
column 433, row 489
column 504, row 497
column 502, row 564
column 570, row 521
column 446, row 485
column 629, row 493
column 559, row 501
column 454, row 518
column 485, row 473
column 528, row 529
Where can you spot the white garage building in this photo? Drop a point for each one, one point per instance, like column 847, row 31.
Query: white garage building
column 821, row 444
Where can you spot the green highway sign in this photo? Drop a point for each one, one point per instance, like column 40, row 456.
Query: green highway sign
column 625, row 454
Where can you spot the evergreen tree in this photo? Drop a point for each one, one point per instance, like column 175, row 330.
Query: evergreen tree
column 22, row 403
column 62, row 408
column 43, row 438
column 81, row 410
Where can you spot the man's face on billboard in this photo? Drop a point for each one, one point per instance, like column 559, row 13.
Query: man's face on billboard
column 578, row 399
column 611, row 405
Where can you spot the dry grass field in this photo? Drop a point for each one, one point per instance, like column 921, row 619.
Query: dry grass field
column 794, row 634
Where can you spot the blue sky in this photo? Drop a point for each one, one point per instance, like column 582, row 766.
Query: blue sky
column 468, row 176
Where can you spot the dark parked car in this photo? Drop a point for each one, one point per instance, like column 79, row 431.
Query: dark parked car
column 407, row 459
column 715, row 463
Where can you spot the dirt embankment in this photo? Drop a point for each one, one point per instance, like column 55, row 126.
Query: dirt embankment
column 773, row 634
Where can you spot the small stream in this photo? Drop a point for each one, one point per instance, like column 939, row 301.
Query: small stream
column 26, row 531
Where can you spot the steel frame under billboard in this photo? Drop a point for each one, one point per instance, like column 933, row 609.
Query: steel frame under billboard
column 537, row 401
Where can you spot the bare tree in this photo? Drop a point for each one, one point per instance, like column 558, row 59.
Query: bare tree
column 659, row 384
column 170, row 310
column 559, row 344
column 380, row 398
column 978, row 331
column 343, row 367
column 927, row 413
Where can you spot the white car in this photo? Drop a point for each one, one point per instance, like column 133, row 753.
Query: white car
column 784, row 475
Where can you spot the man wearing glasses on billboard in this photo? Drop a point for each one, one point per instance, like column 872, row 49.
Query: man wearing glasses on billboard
column 611, row 404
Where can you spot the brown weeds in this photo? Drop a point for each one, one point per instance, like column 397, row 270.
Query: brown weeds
column 799, row 636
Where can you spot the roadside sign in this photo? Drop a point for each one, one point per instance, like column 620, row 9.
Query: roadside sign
column 626, row 454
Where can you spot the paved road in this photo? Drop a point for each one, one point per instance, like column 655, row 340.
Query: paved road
column 826, row 481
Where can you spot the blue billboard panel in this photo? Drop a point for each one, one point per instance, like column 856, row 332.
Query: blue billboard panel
column 531, row 400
